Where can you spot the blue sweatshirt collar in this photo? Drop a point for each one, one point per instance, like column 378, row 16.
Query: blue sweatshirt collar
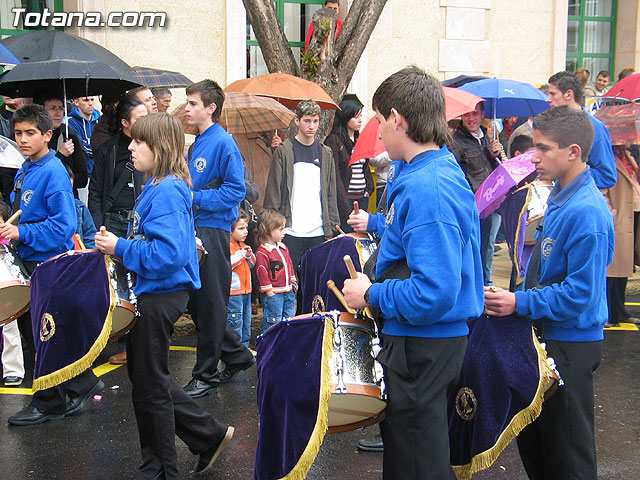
column 426, row 157
column 560, row 196
column 209, row 131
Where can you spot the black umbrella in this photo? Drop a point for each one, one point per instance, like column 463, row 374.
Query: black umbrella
column 64, row 64
column 461, row 80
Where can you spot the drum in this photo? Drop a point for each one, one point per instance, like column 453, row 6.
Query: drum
column 325, row 262
column 124, row 315
column 15, row 287
column 357, row 397
column 539, row 193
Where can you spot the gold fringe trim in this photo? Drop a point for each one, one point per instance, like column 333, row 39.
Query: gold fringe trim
column 484, row 460
column 76, row 368
column 300, row 470
column 515, row 243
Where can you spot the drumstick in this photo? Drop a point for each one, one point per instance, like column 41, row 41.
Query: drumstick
column 350, row 268
column 356, row 207
column 339, row 229
column 14, row 217
column 353, row 274
column 332, row 286
column 80, row 242
column 103, row 230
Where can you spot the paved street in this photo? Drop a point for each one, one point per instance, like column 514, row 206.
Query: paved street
column 102, row 443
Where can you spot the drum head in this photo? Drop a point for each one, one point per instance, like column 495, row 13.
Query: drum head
column 122, row 320
column 14, row 300
column 353, row 408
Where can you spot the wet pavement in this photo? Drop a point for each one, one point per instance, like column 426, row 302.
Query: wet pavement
column 102, row 443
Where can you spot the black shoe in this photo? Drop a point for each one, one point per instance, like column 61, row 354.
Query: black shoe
column 77, row 404
column 611, row 325
column 12, row 381
column 199, row 388
column 375, row 445
column 232, row 370
column 209, row 457
column 30, row 415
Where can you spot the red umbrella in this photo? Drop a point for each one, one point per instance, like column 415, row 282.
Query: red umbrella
column 622, row 121
column 628, row 88
column 456, row 102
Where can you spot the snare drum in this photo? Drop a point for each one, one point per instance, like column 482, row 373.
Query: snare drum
column 357, row 396
column 124, row 315
column 15, row 287
column 538, row 195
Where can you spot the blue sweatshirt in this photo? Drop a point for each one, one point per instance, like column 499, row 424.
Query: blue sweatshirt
column 48, row 219
column 216, row 156
column 433, row 222
column 166, row 259
column 84, row 129
column 601, row 158
column 577, row 243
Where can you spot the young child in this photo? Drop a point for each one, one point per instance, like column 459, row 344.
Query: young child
column 12, row 359
column 242, row 261
column 161, row 251
column 47, row 224
column 277, row 278
column 86, row 227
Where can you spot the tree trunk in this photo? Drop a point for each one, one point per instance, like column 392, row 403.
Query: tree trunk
column 329, row 63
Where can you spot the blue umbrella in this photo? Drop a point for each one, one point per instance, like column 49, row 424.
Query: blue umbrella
column 6, row 57
column 508, row 98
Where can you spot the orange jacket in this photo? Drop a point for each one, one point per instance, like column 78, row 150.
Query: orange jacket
column 241, row 269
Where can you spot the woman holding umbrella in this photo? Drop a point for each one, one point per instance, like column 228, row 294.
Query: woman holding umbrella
column 355, row 182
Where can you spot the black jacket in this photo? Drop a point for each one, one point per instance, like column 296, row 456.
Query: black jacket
column 77, row 161
column 474, row 156
column 110, row 154
column 341, row 157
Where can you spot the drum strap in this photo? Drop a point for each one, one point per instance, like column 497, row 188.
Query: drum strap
column 117, row 187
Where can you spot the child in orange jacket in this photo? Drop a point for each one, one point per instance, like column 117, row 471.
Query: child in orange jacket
column 242, row 261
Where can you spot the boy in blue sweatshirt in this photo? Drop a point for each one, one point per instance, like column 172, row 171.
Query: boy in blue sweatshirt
column 46, row 228
column 218, row 188
column 570, row 299
column 432, row 224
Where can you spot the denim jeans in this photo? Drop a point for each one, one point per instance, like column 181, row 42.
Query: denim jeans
column 279, row 307
column 239, row 316
column 488, row 230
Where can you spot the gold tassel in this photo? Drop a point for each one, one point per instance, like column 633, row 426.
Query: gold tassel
column 76, row 368
column 300, row 470
column 484, row 460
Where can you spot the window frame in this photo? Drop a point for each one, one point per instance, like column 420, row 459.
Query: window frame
column 582, row 18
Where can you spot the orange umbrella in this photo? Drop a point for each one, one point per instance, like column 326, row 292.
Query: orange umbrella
column 456, row 103
column 289, row 90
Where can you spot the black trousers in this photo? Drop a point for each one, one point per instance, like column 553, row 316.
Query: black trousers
column 419, row 373
column 616, row 287
column 163, row 409
column 208, row 309
column 560, row 444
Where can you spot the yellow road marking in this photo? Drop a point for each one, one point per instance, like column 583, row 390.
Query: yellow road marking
column 625, row 327
column 98, row 371
column 632, row 304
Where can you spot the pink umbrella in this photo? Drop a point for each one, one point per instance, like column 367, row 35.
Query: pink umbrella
column 496, row 186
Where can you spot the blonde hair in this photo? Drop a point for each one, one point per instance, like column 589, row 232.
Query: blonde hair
column 268, row 222
column 164, row 136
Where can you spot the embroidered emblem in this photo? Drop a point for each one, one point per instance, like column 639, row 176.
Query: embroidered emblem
column 317, row 305
column 547, row 245
column 200, row 164
column 466, row 403
column 390, row 214
column 47, row 327
column 26, row 196
column 392, row 173
column 136, row 223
